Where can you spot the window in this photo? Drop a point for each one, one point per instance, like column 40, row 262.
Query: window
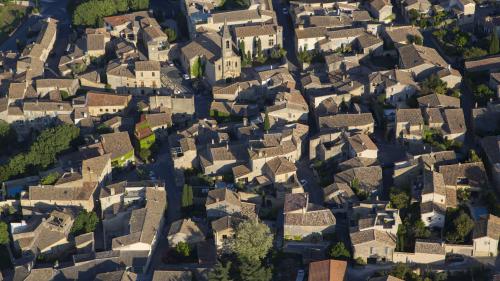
column 219, row 67
column 107, row 110
column 235, row 64
column 153, row 74
column 227, row 44
column 100, row 109
column 271, row 42
column 224, row 236
column 142, row 74
column 114, row 110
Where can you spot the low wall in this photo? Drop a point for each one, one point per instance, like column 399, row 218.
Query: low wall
column 465, row 250
column 419, row 258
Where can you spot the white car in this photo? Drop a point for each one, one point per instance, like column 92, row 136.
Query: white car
column 285, row 11
column 303, row 182
column 300, row 275
column 186, row 77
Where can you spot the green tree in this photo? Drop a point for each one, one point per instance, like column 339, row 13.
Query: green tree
column 121, row 5
column 420, row 230
column 8, row 137
column 460, row 40
column 137, row 5
column 171, row 34
column 252, row 270
column 183, row 249
column 187, row 196
column 399, row 198
column 85, row 222
column 253, row 240
column 473, row 157
column 50, row 178
column 474, row 52
column 462, row 225
column 340, row 252
column 482, row 93
column 241, row 47
column 4, row 233
column 463, row 194
column 220, row 272
column 403, row 271
column 414, row 16
column 197, row 68
column 42, row 153
column 494, row 44
column 434, row 84
column 267, row 123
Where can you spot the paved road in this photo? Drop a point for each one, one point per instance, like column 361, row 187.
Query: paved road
column 164, row 170
column 288, row 34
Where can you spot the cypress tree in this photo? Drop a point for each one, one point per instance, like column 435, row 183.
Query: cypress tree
column 494, row 44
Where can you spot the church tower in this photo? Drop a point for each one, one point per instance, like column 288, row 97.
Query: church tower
column 226, row 48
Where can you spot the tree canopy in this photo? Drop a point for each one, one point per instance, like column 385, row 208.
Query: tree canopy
column 399, row 198
column 187, row 196
column 220, row 272
column 494, row 44
column 4, row 233
column 252, row 270
column 460, row 227
column 253, row 240
column 91, row 13
column 42, row 153
column 85, row 222
column 171, row 34
column 434, row 84
column 340, row 252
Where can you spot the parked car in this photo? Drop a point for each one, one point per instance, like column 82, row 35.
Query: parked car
column 186, row 77
column 300, row 275
column 285, row 11
column 303, row 182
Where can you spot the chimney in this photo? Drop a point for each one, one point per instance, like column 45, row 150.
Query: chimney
column 227, row 146
column 352, row 83
column 112, row 191
column 213, row 141
column 245, row 121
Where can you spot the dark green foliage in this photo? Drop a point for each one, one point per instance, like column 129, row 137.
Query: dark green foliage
column 42, row 152
column 473, row 157
column 400, row 199
column 253, row 270
column 458, row 225
column 7, row 137
column 187, row 196
column 91, row 13
column 494, row 44
column 355, row 186
column 197, row 68
column 103, row 129
column 85, row 222
column 482, row 94
column 4, row 233
column 220, row 272
column 403, row 271
column 474, row 52
column 340, row 252
column 50, row 178
column 267, row 124
column 434, row 84
column 435, row 138
column 183, row 249
column 171, row 34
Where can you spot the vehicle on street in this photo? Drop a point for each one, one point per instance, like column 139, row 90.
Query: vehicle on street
column 300, row 275
column 285, row 11
column 186, row 77
column 303, row 182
